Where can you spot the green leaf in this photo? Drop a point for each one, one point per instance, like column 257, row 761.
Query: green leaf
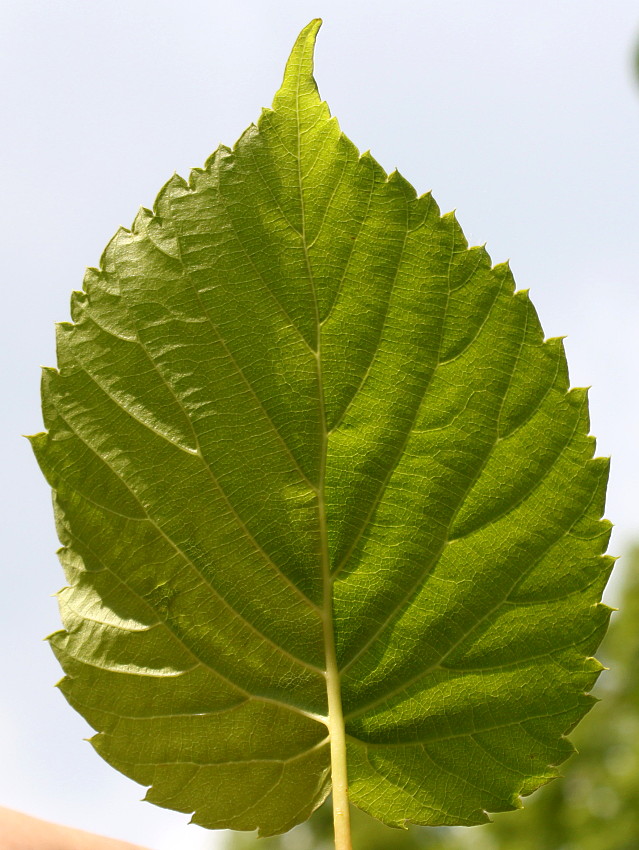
column 301, row 433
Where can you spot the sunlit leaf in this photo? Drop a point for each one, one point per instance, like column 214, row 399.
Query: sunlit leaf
column 294, row 408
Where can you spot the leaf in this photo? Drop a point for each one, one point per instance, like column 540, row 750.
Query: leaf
column 301, row 432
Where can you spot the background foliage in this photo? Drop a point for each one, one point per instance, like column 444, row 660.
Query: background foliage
column 593, row 808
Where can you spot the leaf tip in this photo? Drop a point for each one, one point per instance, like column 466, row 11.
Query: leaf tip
column 298, row 74
column 310, row 30
column 304, row 48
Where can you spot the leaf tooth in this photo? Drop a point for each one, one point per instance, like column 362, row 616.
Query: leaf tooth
column 107, row 258
column 222, row 150
column 397, row 180
column 176, row 184
column 368, row 158
column 139, row 224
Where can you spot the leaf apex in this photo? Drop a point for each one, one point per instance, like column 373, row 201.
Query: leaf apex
column 298, row 74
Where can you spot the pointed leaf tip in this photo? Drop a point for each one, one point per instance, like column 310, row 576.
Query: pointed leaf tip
column 304, row 45
column 298, row 74
column 300, row 62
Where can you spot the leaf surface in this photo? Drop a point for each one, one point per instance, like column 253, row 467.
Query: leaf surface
column 293, row 410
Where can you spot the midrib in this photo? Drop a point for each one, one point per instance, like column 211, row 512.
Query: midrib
column 335, row 721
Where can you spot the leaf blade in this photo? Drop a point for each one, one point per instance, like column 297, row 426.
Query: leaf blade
column 295, row 370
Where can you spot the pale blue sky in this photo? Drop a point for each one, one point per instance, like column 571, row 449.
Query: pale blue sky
column 522, row 116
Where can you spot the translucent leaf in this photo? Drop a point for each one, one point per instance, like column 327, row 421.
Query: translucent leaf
column 301, row 432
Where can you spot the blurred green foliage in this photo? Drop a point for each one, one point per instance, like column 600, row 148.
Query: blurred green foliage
column 596, row 805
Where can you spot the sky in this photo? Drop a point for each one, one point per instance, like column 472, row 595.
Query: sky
column 524, row 117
